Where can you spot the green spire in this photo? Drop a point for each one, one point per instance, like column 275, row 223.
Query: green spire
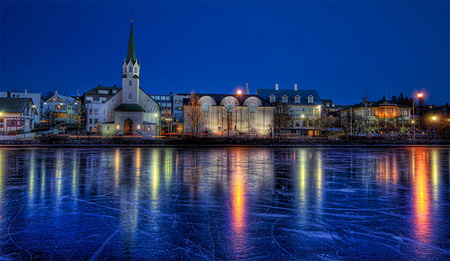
column 131, row 54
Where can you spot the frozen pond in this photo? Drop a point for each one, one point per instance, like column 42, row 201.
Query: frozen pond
column 224, row 203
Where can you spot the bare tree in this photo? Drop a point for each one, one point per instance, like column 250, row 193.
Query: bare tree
column 195, row 115
column 168, row 118
column 49, row 117
column 282, row 117
column 80, row 116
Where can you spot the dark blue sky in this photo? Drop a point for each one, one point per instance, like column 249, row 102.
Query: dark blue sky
column 343, row 49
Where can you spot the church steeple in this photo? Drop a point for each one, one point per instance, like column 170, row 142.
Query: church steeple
column 131, row 54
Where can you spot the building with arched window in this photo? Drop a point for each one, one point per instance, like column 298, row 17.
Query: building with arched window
column 226, row 114
column 131, row 111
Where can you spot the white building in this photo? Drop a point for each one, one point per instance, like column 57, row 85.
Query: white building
column 228, row 114
column 131, row 111
column 94, row 106
column 60, row 109
column 36, row 97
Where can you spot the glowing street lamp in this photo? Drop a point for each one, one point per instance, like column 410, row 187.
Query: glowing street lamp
column 434, row 128
column 239, row 92
column 419, row 95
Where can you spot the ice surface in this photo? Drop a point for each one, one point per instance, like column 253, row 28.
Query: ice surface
column 224, row 203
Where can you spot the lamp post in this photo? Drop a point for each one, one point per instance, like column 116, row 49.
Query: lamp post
column 419, row 95
column 239, row 92
column 303, row 123
column 434, row 128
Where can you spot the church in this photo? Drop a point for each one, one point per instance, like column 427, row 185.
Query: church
column 131, row 111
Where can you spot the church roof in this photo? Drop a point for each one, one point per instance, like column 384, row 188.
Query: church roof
column 129, row 107
column 131, row 54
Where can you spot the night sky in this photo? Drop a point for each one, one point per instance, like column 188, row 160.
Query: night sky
column 343, row 49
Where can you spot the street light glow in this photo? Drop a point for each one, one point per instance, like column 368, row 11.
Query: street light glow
column 420, row 95
column 239, row 92
column 434, row 118
column 156, row 115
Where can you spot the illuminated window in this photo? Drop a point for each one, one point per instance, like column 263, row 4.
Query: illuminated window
column 310, row 99
column 285, row 99
column 252, row 108
column 129, row 96
column 206, row 107
column 130, row 69
column 297, row 99
column 130, row 83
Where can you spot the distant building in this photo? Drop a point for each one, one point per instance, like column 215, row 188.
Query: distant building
column 94, row 106
column 233, row 114
column 178, row 119
column 17, row 114
column 131, row 111
column 36, row 97
column 306, row 108
column 60, row 109
column 330, row 106
column 378, row 117
column 165, row 102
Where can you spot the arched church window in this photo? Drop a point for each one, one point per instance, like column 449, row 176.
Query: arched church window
column 130, row 69
column 135, row 69
column 130, row 83
column 129, row 96
column 205, row 107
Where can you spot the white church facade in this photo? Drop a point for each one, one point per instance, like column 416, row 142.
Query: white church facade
column 131, row 111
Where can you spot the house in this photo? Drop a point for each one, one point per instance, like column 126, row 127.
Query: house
column 36, row 97
column 60, row 109
column 17, row 114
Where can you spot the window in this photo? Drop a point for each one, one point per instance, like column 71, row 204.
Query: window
column 90, row 121
column 285, row 99
column 297, row 123
column 310, row 111
column 90, row 111
column 405, row 112
column 297, row 112
column 206, row 107
column 107, row 127
column 297, row 99
column 272, row 98
column 310, row 99
column 389, row 111
column 252, row 108
column 130, row 69
column 130, row 83
column 114, row 91
column 129, row 96
column 135, row 69
column 102, row 99
column 102, row 91
column 96, row 111
column 95, row 121
column 316, row 112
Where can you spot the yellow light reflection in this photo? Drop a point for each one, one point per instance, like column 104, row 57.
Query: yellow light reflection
column 238, row 202
column 155, row 176
column 421, row 197
column 117, row 168
column 435, row 173
column 58, row 175
column 319, row 182
column 31, row 181
column 75, row 167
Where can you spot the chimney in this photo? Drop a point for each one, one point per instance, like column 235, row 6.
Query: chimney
column 247, row 92
column 295, row 86
column 25, row 91
column 114, row 85
column 364, row 99
column 276, row 86
column 56, row 92
column 8, row 95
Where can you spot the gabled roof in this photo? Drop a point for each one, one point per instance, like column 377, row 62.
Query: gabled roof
column 376, row 104
column 62, row 98
column 94, row 90
column 266, row 93
column 129, row 107
column 14, row 105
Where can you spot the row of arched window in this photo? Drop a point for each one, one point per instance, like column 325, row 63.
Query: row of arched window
column 229, row 107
